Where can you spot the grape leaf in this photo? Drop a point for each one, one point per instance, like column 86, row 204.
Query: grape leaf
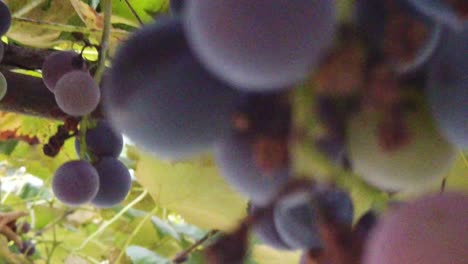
column 193, row 189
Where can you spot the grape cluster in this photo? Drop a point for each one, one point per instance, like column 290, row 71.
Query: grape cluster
column 105, row 182
column 390, row 96
column 65, row 74
column 5, row 22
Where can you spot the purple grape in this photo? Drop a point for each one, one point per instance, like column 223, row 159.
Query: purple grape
column 440, row 11
column 236, row 161
column 23, row 227
column 162, row 98
column 28, row 248
column 57, row 64
column 77, row 94
column 381, row 21
column 264, row 228
column 260, row 45
column 364, row 226
column 177, row 6
column 431, row 229
column 114, row 182
column 335, row 205
column 5, row 18
column 447, row 87
column 102, row 140
column 75, row 182
column 295, row 218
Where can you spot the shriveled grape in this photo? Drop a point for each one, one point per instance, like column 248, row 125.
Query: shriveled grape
column 431, row 229
column 75, row 182
column 260, row 45
column 114, row 182
column 162, row 98
column 102, row 140
column 77, row 94
column 57, row 64
column 413, row 166
column 5, row 18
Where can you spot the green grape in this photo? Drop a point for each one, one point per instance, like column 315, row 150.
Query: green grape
column 415, row 165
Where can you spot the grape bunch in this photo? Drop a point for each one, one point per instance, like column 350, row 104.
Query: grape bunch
column 105, row 182
column 389, row 96
column 65, row 74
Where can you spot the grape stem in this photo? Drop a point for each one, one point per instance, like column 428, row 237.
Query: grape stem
column 183, row 255
column 107, row 9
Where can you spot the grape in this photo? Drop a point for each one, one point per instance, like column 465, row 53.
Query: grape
column 162, row 98
column 58, row 64
column 447, row 88
column 75, row 182
column 415, row 165
column 295, row 218
column 431, row 229
column 439, row 10
column 23, row 227
column 114, row 182
column 28, row 248
column 264, row 228
column 3, row 86
column 77, row 94
column 396, row 28
column 102, row 140
column 236, row 162
column 365, row 224
column 5, row 18
column 260, row 45
column 335, row 205
column 177, row 6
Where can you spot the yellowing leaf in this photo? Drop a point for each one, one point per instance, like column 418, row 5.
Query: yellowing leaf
column 194, row 190
column 33, row 31
column 88, row 15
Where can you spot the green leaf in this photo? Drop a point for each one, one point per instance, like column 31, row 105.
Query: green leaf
column 7, row 147
column 140, row 255
column 121, row 13
column 165, row 228
column 194, row 190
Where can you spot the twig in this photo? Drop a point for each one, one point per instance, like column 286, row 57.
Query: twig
column 182, row 256
column 104, row 45
column 112, row 220
column 134, row 12
column 442, row 186
column 135, row 231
